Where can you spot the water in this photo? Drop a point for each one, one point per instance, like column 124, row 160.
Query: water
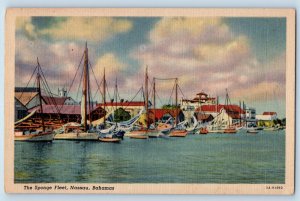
column 212, row 158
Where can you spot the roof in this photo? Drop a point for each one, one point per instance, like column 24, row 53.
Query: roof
column 18, row 102
column 26, row 89
column 25, row 97
column 159, row 113
column 204, row 116
column 123, row 104
column 201, row 93
column 54, row 100
column 233, row 111
column 63, row 109
column 269, row 113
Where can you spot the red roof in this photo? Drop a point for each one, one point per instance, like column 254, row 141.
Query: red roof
column 54, row 100
column 159, row 113
column 269, row 113
column 201, row 93
column 232, row 110
column 123, row 104
column 63, row 109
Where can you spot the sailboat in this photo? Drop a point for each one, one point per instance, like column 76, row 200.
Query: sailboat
column 229, row 129
column 179, row 130
column 112, row 134
column 145, row 133
column 81, row 132
column 41, row 134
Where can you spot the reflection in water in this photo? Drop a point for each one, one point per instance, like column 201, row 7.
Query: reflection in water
column 213, row 158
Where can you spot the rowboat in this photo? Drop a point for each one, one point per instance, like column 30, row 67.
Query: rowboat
column 230, row 131
column 40, row 136
column 203, row 131
column 178, row 133
column 141, row 137
column 110, row 140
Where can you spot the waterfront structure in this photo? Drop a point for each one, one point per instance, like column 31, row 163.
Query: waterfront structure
column 233, row 113
column 133, row 107
column 267, row 116
column 250, row 117
column 200, row 99
column 267, row 119
column 20, row 110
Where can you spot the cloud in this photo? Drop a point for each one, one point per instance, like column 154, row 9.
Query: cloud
column 25, row 24
column 205, row 54
column 96, row 29
column 112, row 64
column 59, row 61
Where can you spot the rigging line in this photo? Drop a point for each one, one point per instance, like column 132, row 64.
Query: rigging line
column 150, row 92
column 181, row 91
column 50, row 96
column 98, row 90
column 133, row 98
column 108, row 92
column 160, row 100
column 28, row 81
column 43, row 83
column 95, row 78
column 47, row 88
column 162, row 79
column 75, row 74
column 171, row 93
column 80, row 81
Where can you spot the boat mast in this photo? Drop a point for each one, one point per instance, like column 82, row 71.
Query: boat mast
column 147, row 97
column 104, row 96
column 154, row 101
column 85, row 72
column 176, row 100
column 116, row 96
column 226, row 103
column 40, row 94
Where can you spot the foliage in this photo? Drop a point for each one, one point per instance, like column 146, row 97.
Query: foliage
column 168, row 106
column 121, row 115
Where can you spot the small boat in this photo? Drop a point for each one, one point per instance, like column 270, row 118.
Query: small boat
column 203, row 131
column 271, row 129
column 110, row 140
column 37, row 136
column 42, row 135
column 230, row 131
column 164, row 128
column 252, row 131
column 216, row 131
column 178, row 133
column 142, row 137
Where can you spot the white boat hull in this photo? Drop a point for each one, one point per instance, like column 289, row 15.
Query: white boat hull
column 42, row 137
column 77, row 136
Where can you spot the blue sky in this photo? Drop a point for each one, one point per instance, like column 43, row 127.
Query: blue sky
column 245, row 55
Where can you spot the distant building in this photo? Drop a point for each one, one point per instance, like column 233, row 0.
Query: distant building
column 20, row 110
column 68, row 113
column 267, row 116
column 200, row 99
column 132, row 107
column 232, row 113
column 165, row 114
column 250, row 117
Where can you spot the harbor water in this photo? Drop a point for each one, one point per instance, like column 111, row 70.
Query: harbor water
column 212, row 158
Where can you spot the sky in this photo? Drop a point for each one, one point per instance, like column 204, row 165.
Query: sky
column 246, row 56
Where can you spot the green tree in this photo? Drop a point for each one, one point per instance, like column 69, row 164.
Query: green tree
column 168, row 106
column 121, row 115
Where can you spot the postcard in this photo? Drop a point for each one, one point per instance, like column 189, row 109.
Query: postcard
column 149, row 101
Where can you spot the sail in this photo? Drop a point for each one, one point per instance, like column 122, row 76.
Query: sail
column 83, row 116
column 27, row 117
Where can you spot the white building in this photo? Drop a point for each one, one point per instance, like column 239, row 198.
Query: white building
column 267, row 116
